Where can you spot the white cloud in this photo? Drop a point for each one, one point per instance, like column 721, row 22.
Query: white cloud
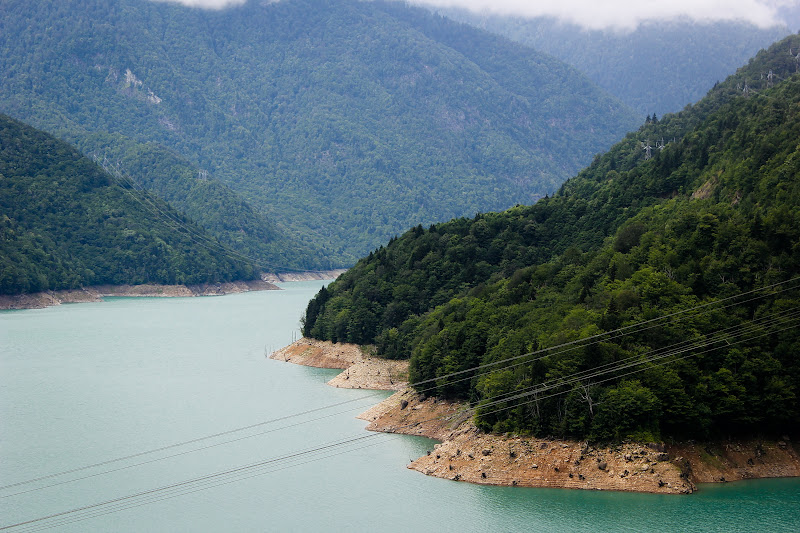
column 206, row 4
column 600, row 14
column 627, row 14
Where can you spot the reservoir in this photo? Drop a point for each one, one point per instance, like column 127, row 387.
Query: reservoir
column 240, row 442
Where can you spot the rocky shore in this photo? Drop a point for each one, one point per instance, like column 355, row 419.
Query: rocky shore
column 361, row 370
column 95, row 294
column 303, row 276
column 39, row 300
column 468, row 454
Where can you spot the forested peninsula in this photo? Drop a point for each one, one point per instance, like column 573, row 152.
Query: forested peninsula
column 653, row 298
column 466, row 453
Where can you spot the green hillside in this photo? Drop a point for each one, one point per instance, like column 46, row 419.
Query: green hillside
column 342, row 123
column 712, row 215
column 65, row 223
column 221, row 211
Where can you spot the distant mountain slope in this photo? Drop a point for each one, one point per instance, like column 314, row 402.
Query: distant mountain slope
column 223, row 212
column 64, row 223
column 345, row 121
column 709, row 215
column 658, row 68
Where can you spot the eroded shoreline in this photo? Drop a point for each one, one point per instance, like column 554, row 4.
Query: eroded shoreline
column 316, row 275
column 468, row 454
column 360, row 370
column 40, row 300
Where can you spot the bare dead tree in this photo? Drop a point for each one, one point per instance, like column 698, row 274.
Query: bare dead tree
column 533, row 406
column 584, row 391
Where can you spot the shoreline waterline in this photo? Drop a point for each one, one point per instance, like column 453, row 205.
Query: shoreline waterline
column 467, row 454
column 96, row 293
column 85, row 383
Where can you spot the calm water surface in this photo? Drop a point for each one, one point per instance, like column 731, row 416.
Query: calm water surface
column 86, row 383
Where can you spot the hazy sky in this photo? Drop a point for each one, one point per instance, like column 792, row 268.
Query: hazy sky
column 599, row 14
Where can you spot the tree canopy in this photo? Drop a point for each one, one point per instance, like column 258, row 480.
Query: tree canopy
column 65, row 223
column 678, row 219
column 340, row 123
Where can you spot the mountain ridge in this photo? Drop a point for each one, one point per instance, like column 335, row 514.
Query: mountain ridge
column 313, row 111
column 659, row 67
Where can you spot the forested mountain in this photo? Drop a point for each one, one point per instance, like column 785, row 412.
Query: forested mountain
column 685, row 214
column 206, row 201
column 342, row 122
column 658, row 68
column 65, row 223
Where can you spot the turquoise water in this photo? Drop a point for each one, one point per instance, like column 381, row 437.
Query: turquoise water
column 82, row 384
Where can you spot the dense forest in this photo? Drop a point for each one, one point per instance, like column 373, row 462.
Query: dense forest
column 339, row 123
column 658, row 67
column 675, row 255
column 225, row 214
column 65, row 223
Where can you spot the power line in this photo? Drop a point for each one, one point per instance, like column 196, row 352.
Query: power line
column 571, row 346
column 231, row 475
column 579, row 376
column 674, row 350
column 144, row 198
column 178, row 445
column 685, row 345
column 590, row 375
column 216, row 476
column 436, row 382
column 616, row 333
column 155, row 499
